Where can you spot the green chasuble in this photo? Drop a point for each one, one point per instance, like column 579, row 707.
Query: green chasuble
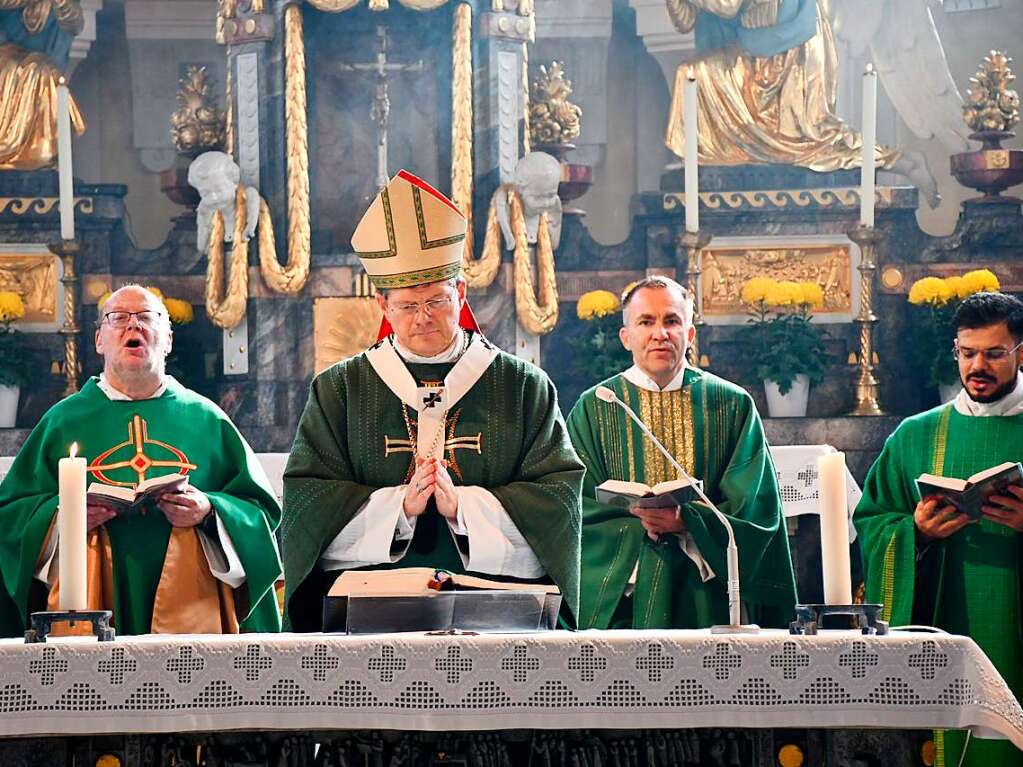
column 966, row 584
column 506, row 435
column 712, row 429
column 124, row 442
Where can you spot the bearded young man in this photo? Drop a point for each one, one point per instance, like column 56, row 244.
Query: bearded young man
column 202, row 560
column 433, row 448
column 666, row 568
column 927, row 562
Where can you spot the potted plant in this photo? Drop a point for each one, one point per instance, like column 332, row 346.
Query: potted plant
column 598, row 352
column 13, row 358
column 784, row 348
column 933, row 303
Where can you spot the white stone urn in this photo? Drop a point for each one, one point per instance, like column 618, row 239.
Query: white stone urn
column 791, row 404
column 8, row 405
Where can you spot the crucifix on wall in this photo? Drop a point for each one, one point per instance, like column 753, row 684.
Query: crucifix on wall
column 381, row 69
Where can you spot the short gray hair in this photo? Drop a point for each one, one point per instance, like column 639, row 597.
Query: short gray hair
column 659, row 282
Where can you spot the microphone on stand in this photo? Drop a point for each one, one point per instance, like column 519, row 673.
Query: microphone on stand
column 735, row 625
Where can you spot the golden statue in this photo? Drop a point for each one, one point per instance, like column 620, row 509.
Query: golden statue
column 35, row 40
column 766, row 73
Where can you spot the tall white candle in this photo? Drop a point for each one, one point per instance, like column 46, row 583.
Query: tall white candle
column 691, row 117
column 71, row 530
column 834, row 511
column 869, row 135
column 67, row 193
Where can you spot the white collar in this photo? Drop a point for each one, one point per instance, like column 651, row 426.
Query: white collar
column 116, row 395
column 452, row 353
column 635, row 375
column 1010, row 404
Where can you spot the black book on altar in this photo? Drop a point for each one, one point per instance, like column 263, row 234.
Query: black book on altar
column 969, row 494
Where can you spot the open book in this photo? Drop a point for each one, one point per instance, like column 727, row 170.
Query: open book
column 969, row 494
column 127, row 500
column 426, row 599
column 675, row 492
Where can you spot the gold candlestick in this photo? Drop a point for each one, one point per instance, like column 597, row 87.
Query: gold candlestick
column 68, row 251
column 690, row 246
column 867, row 403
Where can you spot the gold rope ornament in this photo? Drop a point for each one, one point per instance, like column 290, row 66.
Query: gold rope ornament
column 226, row 310
column 461, row 124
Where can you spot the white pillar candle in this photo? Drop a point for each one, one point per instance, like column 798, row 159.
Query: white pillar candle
column 691, row 117
column 71, row 531
column 869, row 136
column 834, row 511
column 67, row 193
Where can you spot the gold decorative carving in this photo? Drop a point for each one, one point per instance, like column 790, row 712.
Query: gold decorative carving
column 553, row 119
column 991, row 105
column 726, row 269
column 461, row 121
column 846, row 197
column 892, row 277
column 343, row 327
column 35, row 13
column 339, row 6
column 34, row 278
column 994, row 159
column 40, row 206
column 198, row 124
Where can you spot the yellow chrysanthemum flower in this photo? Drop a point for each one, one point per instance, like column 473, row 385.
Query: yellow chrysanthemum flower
column 11, row 306
column 179, row 310
column 155, row 291
column 957, row 286
column 102, row 300
column 757, row 289
column 981, row 280
column 784, row 293
column 930, row 290
column 597, row 303
column 812, row 294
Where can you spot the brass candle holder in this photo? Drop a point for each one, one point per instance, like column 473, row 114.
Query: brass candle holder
column 867, row 401
column 67, row 251
column 690, row 246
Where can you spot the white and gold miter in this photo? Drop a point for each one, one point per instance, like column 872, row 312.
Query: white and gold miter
column 411, row 235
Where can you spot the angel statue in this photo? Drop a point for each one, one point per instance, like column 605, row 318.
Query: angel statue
column 766, row 71
column 216, row 176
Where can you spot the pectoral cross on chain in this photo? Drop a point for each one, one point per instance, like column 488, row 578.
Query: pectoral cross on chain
column 451, row 444
column 380, row 112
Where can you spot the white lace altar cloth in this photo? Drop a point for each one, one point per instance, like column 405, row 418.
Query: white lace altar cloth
column 555, row 680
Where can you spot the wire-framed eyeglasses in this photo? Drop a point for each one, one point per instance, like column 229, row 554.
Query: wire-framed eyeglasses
column 994, row 354
column 119, row 320
column 430, row 307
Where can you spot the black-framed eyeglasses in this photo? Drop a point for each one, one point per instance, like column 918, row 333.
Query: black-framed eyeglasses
column 994, row 354
column 119, row 320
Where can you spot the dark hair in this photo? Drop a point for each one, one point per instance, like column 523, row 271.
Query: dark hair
column 656, row 281
column 984, row 309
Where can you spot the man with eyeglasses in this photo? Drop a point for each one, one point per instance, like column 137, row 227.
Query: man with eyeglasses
column 201, row 559
column 433, row 448
column 927, row 562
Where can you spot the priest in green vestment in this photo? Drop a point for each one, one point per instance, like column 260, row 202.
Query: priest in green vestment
column 200, row 560
column 666, row 568
column 929, row 564
column 433, row 448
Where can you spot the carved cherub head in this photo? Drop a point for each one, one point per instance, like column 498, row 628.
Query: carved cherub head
column 215, row 175
column 537, row 176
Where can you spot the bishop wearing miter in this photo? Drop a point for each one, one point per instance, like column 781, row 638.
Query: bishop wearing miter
column 433, row 448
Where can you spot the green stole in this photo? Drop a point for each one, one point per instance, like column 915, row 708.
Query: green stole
column 711, row 427
column 971, row 581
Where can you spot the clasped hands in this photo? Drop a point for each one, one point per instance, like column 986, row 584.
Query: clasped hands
column 184, row 509
column 431, row 478
column 935, row 520
column 659, row 521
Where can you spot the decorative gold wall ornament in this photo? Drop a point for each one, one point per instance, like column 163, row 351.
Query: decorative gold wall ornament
column 553, row 119
column 991, row 105
column 40, row 206
column 892, row 278
column 33, row 276
column 227, row 308
column 846, row 197
column 342, row 328
column 461, row 121
column 726, row 269
column 198, row 125
column 35, row 13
